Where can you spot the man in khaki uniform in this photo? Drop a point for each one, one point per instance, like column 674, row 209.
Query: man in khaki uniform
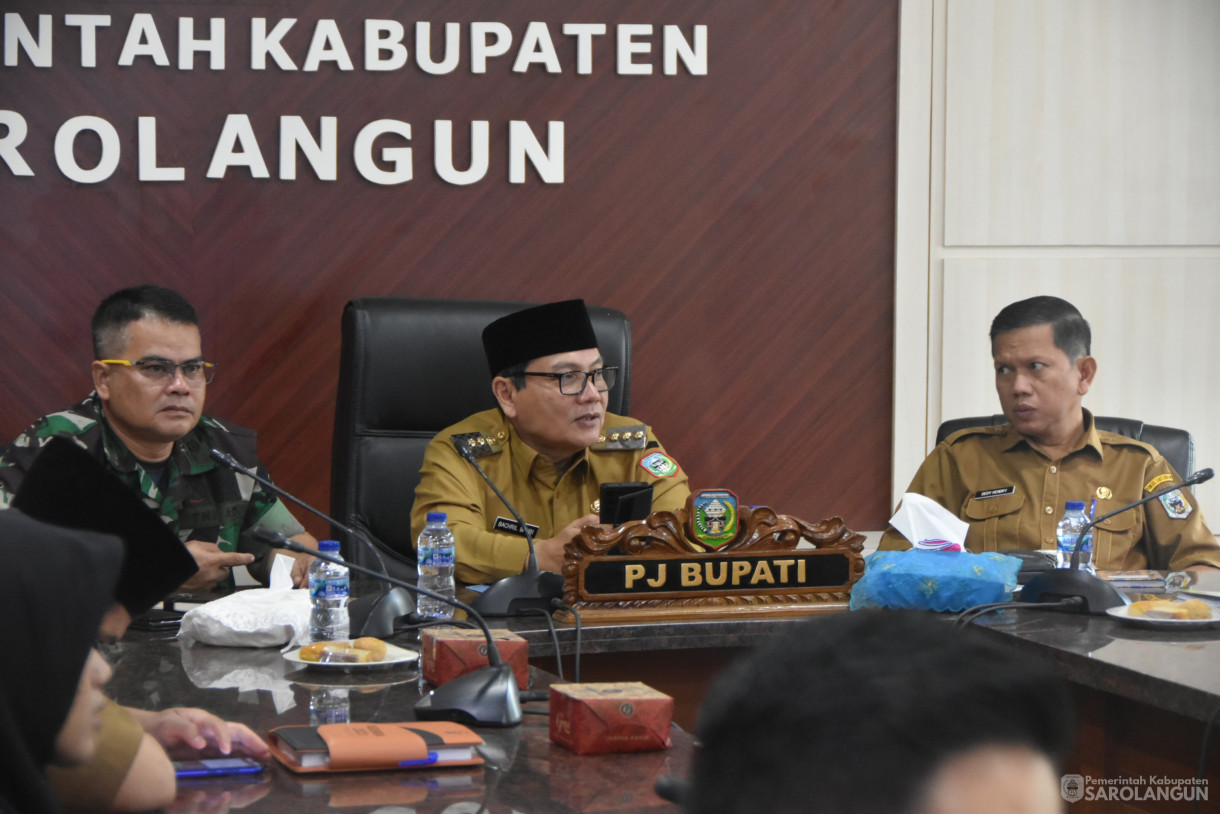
column 1010, row 483
column 548, row 447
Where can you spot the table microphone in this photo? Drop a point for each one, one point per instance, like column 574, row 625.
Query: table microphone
column 370, row 615
column 487, row 697
column 533, row 588
column 1098, row 595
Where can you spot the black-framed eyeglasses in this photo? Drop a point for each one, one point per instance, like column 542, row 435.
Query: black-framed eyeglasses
column 574, row 382
column 162, row 371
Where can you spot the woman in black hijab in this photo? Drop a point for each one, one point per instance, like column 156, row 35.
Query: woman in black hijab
column 56, row 586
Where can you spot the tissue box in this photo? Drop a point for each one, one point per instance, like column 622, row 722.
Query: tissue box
column 623, row 716
column 451, row 652
column 934, row 580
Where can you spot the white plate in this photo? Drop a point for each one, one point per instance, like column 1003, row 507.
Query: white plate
column 1164, row 624
column 393, row 655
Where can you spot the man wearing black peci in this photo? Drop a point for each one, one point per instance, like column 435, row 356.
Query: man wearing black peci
column 548, row 446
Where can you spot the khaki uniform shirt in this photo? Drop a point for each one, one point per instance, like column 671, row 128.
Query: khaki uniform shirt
column 489, row 546
column 1012, row 496
column 92, row 786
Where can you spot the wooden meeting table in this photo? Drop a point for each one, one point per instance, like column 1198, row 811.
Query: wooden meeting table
column 524, row 772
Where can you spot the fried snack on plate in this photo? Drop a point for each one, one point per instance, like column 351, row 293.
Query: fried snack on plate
column 374, row 646
column 1166, row 609
column 344, row 653
column 312, row 652
column 1198, row 609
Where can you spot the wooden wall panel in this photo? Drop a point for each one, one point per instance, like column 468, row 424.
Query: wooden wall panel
column 743, row 220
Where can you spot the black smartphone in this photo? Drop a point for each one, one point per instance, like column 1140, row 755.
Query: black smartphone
column 216, row 766
column 622, row 502
column 157, row 619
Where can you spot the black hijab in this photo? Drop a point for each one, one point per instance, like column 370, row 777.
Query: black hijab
column 57, row 585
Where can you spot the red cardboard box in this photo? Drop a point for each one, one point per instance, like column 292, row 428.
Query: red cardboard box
column 621, row 716
column 451, row 652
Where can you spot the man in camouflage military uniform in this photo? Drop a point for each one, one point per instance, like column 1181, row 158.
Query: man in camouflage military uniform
column 548, row 447
column 145, row 421
column 1010, row 482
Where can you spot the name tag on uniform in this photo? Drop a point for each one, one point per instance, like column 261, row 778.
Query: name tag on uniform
column 199, row 514
column 507, row 526
column 986, row 493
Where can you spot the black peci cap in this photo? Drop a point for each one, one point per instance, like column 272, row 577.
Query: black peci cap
column 66, row 486
column 557, row 327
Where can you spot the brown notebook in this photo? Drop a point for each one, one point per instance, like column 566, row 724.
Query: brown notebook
column 368, row 746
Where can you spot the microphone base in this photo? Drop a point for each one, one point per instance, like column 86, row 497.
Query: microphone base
column 1063, row 583
column 375, row 615
column 486, row 697
column 515, row 595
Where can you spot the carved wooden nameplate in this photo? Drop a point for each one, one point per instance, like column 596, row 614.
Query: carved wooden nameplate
column 650, row 570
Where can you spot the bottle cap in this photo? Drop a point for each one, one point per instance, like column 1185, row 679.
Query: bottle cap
column 328, row 546
column 441, row 517
column 1074, row 505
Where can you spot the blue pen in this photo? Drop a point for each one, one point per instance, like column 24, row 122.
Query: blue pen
column 1092, row 508
column 409, row 764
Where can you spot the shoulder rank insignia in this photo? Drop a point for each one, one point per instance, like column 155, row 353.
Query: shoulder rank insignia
column 966, row 432
column 633, row 437
column 475, row 444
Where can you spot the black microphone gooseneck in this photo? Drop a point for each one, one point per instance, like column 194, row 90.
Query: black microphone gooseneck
column 1199, row 477
column 371, row 616
column 533, row 588
column 488, row 696
column 1098, row 595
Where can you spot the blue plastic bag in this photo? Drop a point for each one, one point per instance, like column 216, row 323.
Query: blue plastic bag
column 934, row 580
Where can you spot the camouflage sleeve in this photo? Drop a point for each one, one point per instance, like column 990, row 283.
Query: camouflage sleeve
column 268, row 512
column 20, row 454
column 15, row 462
column 11, row 473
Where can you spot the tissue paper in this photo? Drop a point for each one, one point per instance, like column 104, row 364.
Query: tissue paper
column 257, row 617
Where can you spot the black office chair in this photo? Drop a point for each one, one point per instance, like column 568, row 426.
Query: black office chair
column 1176, row 445
column 409, row 368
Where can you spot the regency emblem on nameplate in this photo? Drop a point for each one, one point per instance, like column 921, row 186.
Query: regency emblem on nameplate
column 661, row 567
column 713, row 518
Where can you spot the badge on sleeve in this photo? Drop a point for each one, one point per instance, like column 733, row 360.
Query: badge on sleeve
column 1176, row 505
column 660, row 465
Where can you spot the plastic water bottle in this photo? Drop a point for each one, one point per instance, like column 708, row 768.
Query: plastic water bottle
column 329, row 586
column 435, row 554
column 1074, row 519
